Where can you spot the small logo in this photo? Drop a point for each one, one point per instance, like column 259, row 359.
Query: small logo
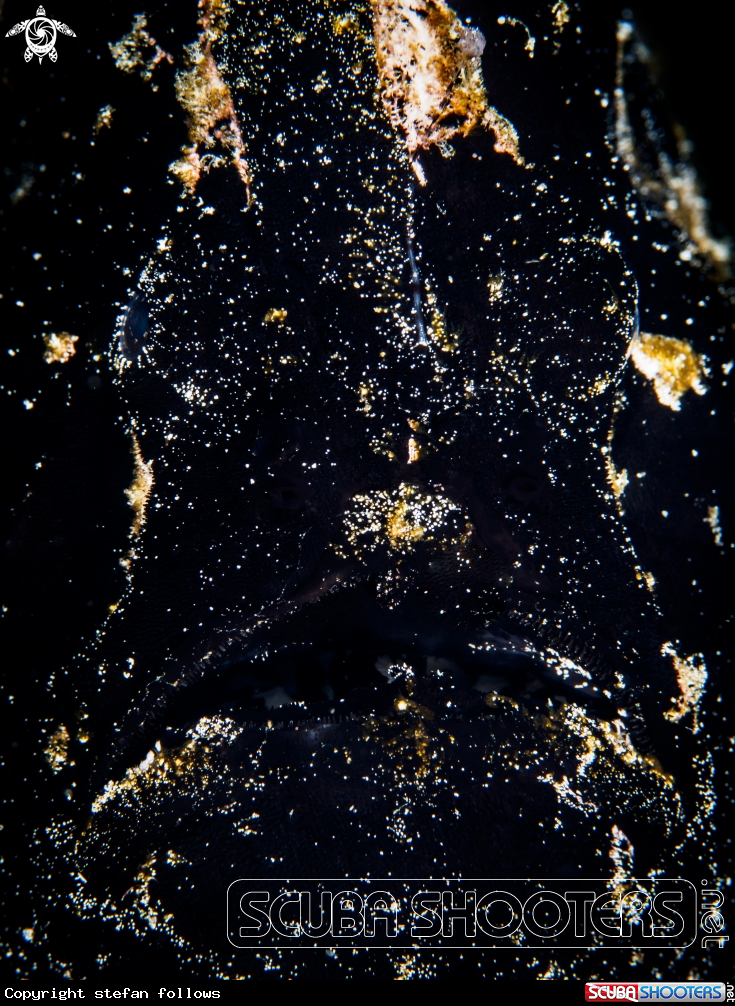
column 40, row 35
column 637, row 992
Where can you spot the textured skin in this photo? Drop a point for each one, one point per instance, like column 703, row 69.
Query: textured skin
column 272, row 438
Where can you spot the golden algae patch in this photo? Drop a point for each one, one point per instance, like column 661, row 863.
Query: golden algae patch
column 647, row 578
column 560, row 13
column 674, row 187
column 431, row 77
column 60, row 346
column 688, row 210
column 604, row 743
column 365, row 394
column 347, row 23
column 276, row 315
column 579, row 756
column 162, row 768
column 713, row 519
column 671, row 364
column 400, row 517
column 139, row 490
column 691, row 676
column 215, row 138
column 617, row 478
column 495, row 288
column 415, row 744
column 57, row 749
column 137, row 50
column 437, row 329
column 104, row 118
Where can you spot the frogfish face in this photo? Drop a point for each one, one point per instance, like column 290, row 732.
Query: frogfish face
column 384, row 611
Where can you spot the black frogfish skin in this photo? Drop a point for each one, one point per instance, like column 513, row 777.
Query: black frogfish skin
column 426, row 380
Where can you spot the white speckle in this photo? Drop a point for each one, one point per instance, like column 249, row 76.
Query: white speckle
column 664, row 513
column 689, row 321
column 713, row 519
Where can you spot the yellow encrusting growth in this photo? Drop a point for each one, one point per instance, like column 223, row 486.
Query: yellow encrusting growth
column 138, row 51
column 365, row 394
column 691, row 675
column 671, row 364
column 495, row 287
column 431, row 77
column 215, row 138
column 104, row 118
column 276, row 314
column 402, row 517
column 617, row 478
column 59, row 346
column 168, row 767
column 560, row 12
column 648, row 578
column 347, row 24
column 57, row 749
column 713, row 519
column 401, row 523
column 139, row 490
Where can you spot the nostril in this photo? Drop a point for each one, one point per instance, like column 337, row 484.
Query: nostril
column 523, row 488
column 287, row 497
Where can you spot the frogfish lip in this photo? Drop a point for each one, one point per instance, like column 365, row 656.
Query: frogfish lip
column 327, row 660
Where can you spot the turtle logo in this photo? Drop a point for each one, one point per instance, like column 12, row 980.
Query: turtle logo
column 40, row 35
